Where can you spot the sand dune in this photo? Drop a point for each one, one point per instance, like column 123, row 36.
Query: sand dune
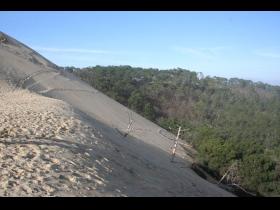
column 40, row 152
column 61, row 137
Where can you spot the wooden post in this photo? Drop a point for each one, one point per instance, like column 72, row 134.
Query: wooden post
column 129, row 126
column 175, row 144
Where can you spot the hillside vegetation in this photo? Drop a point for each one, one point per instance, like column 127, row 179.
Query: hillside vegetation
column 229, row 121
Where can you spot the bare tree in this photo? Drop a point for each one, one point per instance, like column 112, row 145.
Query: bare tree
column 232, row 177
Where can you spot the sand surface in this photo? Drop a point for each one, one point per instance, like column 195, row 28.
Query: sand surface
column 44, row 149
column 61, row 137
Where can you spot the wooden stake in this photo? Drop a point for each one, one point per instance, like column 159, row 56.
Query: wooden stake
column 175, row 144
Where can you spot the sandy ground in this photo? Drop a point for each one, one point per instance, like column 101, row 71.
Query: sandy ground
column 61, row 137
column 40, row 152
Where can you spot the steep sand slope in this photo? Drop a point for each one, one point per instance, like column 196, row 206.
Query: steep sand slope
column 140, row 163
column 45, row 150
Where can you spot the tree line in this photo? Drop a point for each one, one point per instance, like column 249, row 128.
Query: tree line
column 228, row 120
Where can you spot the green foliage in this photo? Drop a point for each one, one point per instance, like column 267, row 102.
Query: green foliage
column 228, row 119
column 256, row 170
column 169, row 124
column 149, row 111
column 135, row 101
column 217, row 153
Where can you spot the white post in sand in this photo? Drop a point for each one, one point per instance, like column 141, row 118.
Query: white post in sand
column 129, row 126
column 175, row 144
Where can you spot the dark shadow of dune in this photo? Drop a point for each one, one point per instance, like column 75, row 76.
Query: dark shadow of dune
column 141, row 169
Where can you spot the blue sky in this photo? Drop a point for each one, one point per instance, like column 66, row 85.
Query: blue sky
column 227, row 44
